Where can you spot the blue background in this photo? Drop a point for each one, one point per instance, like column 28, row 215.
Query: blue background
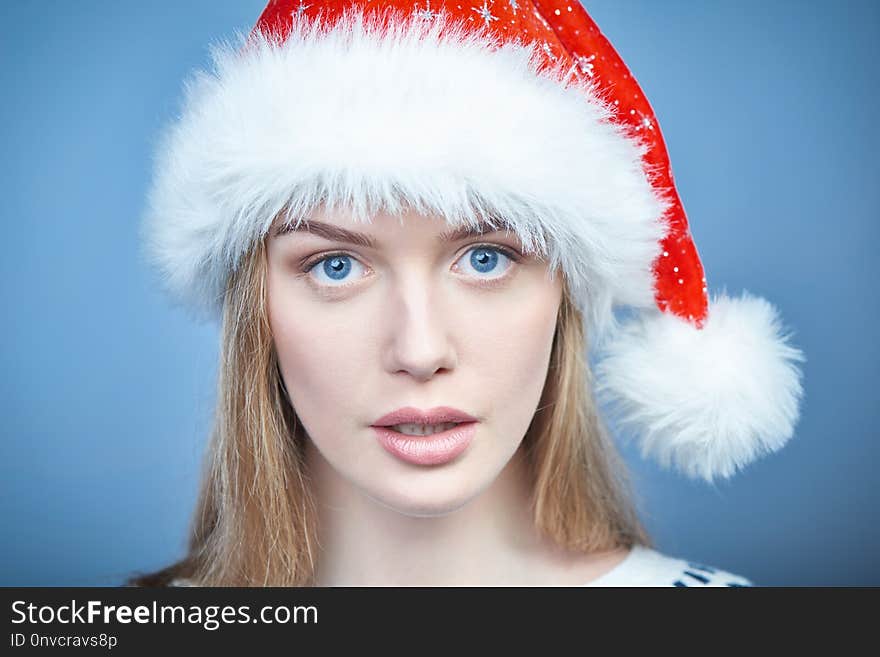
column 769, row 111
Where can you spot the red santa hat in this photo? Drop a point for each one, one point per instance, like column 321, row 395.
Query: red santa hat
column 481, row 111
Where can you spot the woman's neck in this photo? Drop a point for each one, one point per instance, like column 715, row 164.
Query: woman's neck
column 489, row 541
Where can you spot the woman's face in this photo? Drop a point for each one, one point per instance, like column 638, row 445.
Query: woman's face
column 405, row 317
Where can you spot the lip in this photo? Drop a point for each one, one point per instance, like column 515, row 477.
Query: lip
column 435, row 449
column 436, row 415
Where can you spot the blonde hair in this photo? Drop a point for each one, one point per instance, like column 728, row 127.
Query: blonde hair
column 255, row 519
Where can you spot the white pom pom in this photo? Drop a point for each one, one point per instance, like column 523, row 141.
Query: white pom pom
column 705, row 401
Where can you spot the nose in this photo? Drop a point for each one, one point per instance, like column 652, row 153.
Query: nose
column 419, row 327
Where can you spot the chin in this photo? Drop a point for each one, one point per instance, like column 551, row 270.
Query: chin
column 418, row 497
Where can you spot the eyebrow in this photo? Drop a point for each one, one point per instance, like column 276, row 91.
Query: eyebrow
column 337, row 234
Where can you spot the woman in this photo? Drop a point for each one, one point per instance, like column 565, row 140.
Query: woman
column 415, row 223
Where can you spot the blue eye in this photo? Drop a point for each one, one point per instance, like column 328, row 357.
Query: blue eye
column 484, row 259
column 335, row 268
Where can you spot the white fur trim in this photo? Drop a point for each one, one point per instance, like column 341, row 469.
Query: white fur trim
column 706, row 401
column 412, row 118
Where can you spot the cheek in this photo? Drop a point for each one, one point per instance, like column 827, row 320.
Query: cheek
column 318, row 354
column 510, row 346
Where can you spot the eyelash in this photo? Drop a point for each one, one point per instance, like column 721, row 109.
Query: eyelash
column 514, row 255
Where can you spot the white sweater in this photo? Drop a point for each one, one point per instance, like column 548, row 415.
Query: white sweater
column 644, row 566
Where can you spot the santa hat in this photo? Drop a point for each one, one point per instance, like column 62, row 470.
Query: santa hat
column 480, row 110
